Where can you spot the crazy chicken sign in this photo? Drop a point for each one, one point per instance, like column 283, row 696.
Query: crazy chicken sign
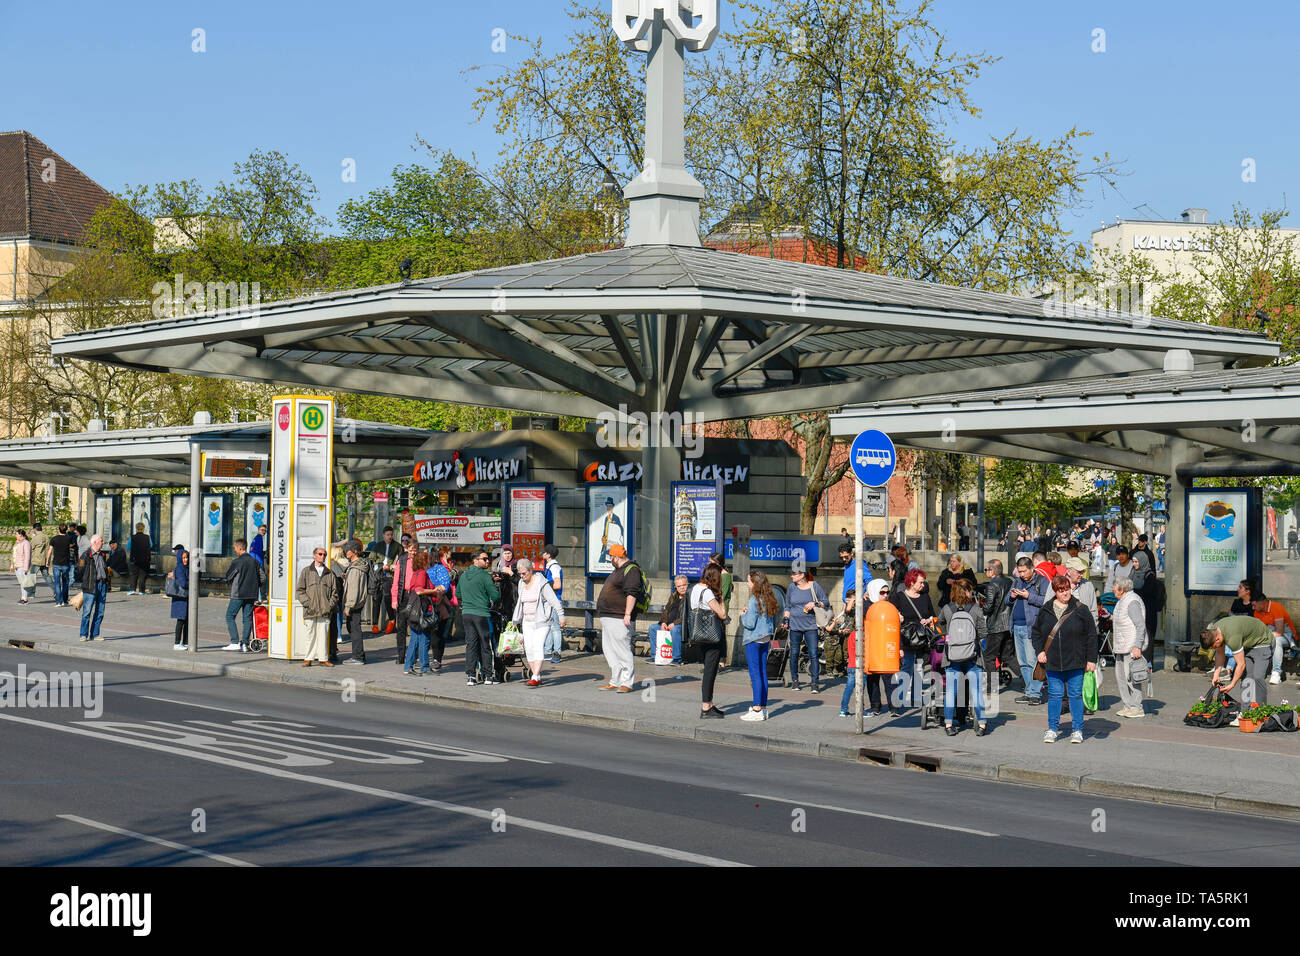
column 462, row 469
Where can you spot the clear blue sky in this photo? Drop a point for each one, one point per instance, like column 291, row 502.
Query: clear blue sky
column 1183, row 92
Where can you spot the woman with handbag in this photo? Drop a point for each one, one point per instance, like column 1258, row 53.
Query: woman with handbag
column 757, row 625
column 536, row 606
column 420, row 615
column 705, row 625
column 22, row 564
column 442, row 577
column 177, row 587
column 1065, row 640
column 1129, row 640
column 803, row 600
column 915, row 610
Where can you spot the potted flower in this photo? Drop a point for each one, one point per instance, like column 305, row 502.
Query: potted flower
column 1205, row 708
column 1254, row 715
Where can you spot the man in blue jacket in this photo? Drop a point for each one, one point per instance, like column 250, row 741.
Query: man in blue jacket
column 1029, row 592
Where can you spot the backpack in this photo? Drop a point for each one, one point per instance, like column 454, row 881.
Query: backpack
column 374, row 577
column 643, row 602
column 963, row 638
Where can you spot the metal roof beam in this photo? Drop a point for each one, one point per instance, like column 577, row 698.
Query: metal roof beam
column 757, row 403
column 424, row 386
column 1105, row 455
column 775, row 345
column 929, row 352
column 1233, row 440
column 623, row 345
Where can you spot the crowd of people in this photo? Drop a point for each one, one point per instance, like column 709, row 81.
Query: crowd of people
column 1040, row 622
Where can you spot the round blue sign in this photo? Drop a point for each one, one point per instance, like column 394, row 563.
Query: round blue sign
column 872, row 458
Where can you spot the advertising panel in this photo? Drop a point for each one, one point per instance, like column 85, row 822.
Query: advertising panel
column 180, row 521
column 1224, row 532
column 697, row 525
column 610, row 521
column 465, row 531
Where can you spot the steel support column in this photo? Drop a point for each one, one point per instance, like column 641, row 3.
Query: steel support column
column 1177, row 605
column 194, row 542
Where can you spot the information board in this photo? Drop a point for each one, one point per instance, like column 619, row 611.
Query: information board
column 697, row 525
column 529, row 518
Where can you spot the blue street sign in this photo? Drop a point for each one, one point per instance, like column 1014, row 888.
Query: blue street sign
column 872, row 458
column 778, row 550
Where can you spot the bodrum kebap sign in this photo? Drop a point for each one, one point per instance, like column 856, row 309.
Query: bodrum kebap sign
column 872, row 458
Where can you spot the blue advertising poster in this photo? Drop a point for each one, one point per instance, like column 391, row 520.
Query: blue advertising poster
column 697, row 525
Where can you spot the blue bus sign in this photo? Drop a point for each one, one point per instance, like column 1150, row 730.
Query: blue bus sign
column 872, row 458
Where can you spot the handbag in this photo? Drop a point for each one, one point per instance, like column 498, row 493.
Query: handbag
column 1139, row 670
column 1040, row 669
column 26, row 579
column 705, row 628
column 172, row 588
column 427, row 617
column 917, row 636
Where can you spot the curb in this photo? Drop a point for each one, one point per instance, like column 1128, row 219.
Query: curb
column 881, row 751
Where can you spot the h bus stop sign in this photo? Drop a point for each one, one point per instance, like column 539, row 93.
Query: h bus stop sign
column 872, row 458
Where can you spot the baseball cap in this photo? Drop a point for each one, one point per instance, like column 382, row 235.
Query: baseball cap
column 1077, row 563
column 617, row 551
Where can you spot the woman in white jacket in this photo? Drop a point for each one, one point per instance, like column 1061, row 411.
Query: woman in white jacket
column 535, row 608
column 1129, row 639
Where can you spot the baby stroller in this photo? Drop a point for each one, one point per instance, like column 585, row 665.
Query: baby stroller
column 1105, row 629
column 501, row 663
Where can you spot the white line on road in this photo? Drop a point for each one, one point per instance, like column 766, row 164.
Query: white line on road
column 636, row 846
column 186, row 703
column 152, row 839
column 868, row 813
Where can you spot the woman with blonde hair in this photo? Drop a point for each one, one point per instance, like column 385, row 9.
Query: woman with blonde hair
column 757, row 625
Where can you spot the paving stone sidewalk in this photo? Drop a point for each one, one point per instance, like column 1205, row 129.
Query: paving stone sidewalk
column 1156, row 758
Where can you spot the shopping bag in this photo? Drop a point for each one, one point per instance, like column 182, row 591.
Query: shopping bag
column 510, row 641
column 1090, row 690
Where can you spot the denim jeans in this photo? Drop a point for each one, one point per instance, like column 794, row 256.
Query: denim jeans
column 554, row 641
column 851, row 683
column 1028, row 659
column 963, row 686
column 419, row 646
column 907, row 683
column 92, row 611
column 1059, row 685
column 45, row 573
column 756, row 656
column 234, row 609
column 809, row 640
column 1280, row 645
column 674, row 634
column 60, row 572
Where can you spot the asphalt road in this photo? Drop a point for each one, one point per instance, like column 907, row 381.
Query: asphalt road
column 230, row 773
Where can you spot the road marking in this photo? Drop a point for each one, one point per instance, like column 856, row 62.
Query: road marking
column 186, row 703
column 152, row 839
column 867, row 813
column 682, row 856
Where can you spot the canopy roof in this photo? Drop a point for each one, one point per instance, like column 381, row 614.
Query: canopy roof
column 1245, row 418
column 717, row 334
column 160, row 457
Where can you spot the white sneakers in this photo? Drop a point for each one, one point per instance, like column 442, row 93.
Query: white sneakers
column 1133, row 712
column 1076, row 737
column 754, row 715
column 1050, row 737
column 1275, row 678
column 231, row 647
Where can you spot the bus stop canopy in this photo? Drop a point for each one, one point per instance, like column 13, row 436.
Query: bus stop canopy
column 161, row 457
column 1177, row 423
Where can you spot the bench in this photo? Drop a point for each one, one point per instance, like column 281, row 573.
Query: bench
column 587, row 638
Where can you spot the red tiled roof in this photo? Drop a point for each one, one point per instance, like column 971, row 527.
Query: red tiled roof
column 31, row 207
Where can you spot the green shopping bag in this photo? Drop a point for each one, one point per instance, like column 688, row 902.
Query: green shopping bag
column 1090, row 690
column 511, row 641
